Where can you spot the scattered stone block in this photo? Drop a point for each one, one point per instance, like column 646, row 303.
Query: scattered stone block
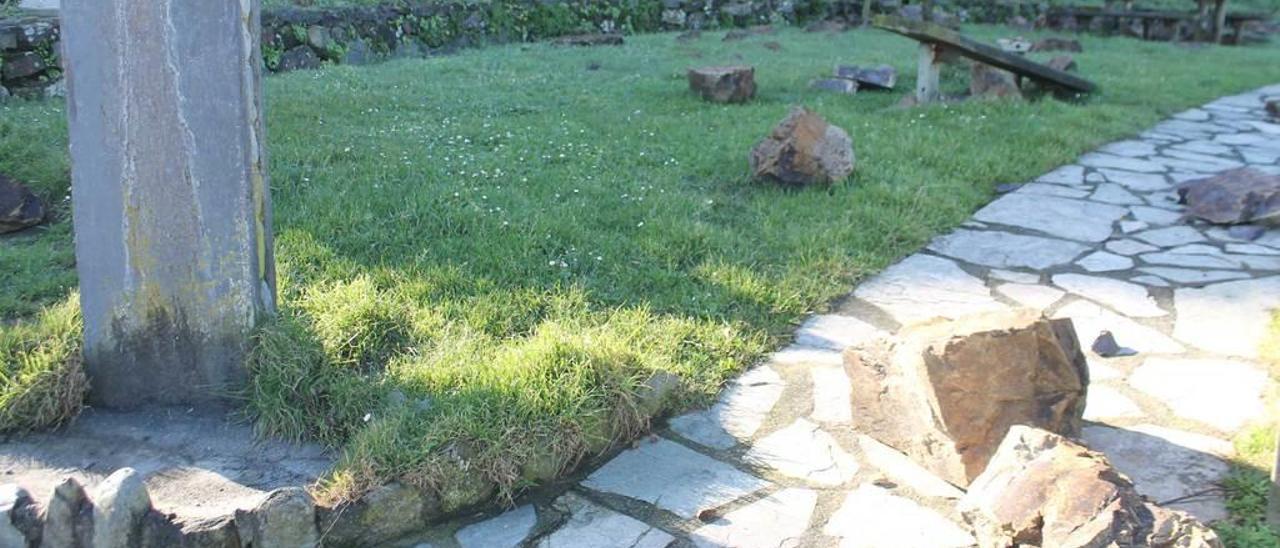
column 1065, row 63
column 690, row 35
column 1107, row 347
column 1057, row 44
column 882, row 77
column 1273, row 108
column 802, row 150
column 772, row 46
column 736, row 34
column 730, row 84
column 946, row 393
column 19, row 208
column 837, row 85
column 589, row 40
column 1238, row 196
column 1043, row 489
column 988, row 82
column 66, row 517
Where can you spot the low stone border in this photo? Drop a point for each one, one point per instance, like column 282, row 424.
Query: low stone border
column 117, row 513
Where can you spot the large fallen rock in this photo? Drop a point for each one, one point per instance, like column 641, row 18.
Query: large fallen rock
column 19, row 208
column 804, row 149
column 988, row 82
column 1238, row 196
column 947, row 393
column 732, row 84
column 1041, row 489
column 1057, row 44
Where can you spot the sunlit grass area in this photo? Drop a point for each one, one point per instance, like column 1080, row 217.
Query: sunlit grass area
column 1248, row 486
column 507, row 260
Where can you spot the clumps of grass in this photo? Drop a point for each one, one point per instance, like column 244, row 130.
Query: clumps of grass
column 1249, row 484
column 466, row 415
column 42, row 379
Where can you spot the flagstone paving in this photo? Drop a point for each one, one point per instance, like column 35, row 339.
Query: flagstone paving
column 776, row 463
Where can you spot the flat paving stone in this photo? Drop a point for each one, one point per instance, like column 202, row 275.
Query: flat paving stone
column 805, row 355
column 1105, row 402
column 1228, row 318
column 776, row 521
column 1150, row 280
column 1252, row 249
column 835, row 332
column 1134, row 149
column 1155, row 215
column 1203, row 147
column 1038, row 297
column 1189, row 276
column 1188, row 260
column 921, row 288
column 1061, row 217
column 804, row 451
column 1103, row 160
column 1047, row 189
column 1129, row 247
column 741, row 410
column 1224, row 394
column 1129, row 227
column 901, row 469
column 507, row 530
column 1006, row 250
column 1102, row 261
column 1114, row 194
column 1015, row 277
column 1167, row 465
column 1070, row 175
column 1137, row 182
column 1090, row 320
column 1099, row 371
column 684, row 483
column 1171, row 236
column 599, row 527
column 872, row 517
column 1126, row 298
column 832, row 395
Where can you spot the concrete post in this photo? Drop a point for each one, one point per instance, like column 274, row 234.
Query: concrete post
column 171, row 203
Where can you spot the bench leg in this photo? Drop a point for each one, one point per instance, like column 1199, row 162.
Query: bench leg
column 927, row 74
column 1219, row 20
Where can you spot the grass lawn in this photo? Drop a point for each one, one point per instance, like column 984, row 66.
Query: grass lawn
column 486, row 260
column 1247, row 488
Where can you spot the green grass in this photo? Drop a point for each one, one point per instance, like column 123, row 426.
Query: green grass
column 1248, row 485
column 487, row 261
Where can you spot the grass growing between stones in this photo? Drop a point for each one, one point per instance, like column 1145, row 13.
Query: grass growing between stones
column 1249, row 484
column 494, row 265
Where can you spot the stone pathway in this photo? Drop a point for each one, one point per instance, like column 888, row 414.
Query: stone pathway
column 774, row 463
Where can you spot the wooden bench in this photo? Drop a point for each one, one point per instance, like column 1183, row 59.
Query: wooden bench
column 936, row 40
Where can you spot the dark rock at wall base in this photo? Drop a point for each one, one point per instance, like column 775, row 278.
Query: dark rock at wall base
column 22, row 65
column 882, row 77
column 837, row 85
column 19, row 208
column 587, row 40
column 298, row 58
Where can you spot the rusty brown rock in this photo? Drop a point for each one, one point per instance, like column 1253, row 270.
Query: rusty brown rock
column 1237, row 196
column 803, row 149
column 946, row 393
column 986, row 81
column 19, row 208
column 1044, row 490
column 731, row 84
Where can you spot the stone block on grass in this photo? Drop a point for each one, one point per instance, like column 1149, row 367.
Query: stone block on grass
column 729, row 84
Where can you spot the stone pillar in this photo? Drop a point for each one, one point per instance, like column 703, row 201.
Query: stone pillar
column 171, row 203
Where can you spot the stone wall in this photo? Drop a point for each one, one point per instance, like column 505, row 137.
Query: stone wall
column 302, row 38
